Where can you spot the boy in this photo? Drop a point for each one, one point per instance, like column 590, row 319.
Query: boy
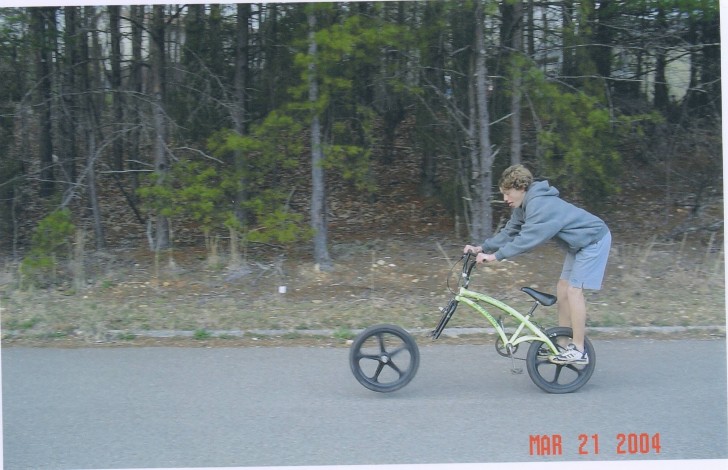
column 538, row 216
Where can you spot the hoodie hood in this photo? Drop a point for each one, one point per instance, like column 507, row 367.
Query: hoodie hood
column 539, row 189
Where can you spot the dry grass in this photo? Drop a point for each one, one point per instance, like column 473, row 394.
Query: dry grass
column 648, row 284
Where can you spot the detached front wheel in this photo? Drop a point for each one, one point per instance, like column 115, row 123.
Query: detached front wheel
column 384, row 358
column 558, row 378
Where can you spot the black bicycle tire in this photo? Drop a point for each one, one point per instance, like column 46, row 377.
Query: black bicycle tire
column 371, row 382
column 534, row 364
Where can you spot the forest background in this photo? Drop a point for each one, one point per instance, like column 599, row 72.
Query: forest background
column 240, row 171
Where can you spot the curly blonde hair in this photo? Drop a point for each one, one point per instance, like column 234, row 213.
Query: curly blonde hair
column 515, row 177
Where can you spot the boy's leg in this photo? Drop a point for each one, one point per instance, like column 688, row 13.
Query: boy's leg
column 562, row 294
column 572, row 311
column 585, row 269
column 577, row 310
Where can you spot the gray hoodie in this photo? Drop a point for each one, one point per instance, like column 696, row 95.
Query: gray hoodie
column 543, row 215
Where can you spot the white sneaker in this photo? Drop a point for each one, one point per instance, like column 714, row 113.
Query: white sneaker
column 571, row 356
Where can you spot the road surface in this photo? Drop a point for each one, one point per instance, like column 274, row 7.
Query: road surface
column 245, row 407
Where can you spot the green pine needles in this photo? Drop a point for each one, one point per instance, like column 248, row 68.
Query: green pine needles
column 51, row 242
column 237, row 188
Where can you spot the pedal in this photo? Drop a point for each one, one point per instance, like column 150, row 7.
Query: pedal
column 514, row 370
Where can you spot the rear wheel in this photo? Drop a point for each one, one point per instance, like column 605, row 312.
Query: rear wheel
column 384, row 358
column 559, row 378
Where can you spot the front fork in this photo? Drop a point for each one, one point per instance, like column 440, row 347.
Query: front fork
column 447, row 313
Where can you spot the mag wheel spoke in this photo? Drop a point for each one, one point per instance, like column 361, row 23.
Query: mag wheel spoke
column 556, row 374
column 380, row 339
column 394, row 367
column 394, row 352
column 380, row 367
column 373, row 357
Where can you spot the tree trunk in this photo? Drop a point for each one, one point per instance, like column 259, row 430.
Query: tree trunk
column 318, row 192
column 433, row 64
column 601, row 52
column 117, row 149
column 710, row 62
column 42, row 25
column 568, row 47
column 531, row 29
column 69, row 101
column 516, row 131
column 92, row 187
column 516, row 45
column 216, row 54
column 161, row 166
column 271, row 69
column 136, row 13
column 90, row 123
column 482, row 213
column 661, row 99
column 240, row 111
column 704, row 88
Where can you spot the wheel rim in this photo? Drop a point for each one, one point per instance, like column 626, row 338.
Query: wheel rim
column 384, row 358
column 559, row 378
column 560, row 375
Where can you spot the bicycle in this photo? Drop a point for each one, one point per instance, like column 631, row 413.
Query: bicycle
column 385, row 357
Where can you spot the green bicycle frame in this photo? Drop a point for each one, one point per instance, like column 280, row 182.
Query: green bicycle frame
column 472, row 298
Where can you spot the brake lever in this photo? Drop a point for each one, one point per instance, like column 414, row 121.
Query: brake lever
column 468, row 266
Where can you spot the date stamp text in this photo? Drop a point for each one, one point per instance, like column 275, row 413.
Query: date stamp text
column 594, row 444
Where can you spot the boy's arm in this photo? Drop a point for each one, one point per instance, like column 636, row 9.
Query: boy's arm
column 540, row 227
column 506, row 234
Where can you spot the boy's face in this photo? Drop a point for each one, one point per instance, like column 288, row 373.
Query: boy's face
column 513, row 197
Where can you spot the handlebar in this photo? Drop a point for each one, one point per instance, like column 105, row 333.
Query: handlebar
column 469, row 264
column 468, row 260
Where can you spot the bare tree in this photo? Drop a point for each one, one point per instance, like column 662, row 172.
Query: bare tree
column 239, row 113
column 433, row 51
column 115, row 79
column 516, row 50
column 43, row 24
column 91, row 121
column 136, row 14
column 67, row 140
column 318, row 192
column 482, row 165
column 161, row 164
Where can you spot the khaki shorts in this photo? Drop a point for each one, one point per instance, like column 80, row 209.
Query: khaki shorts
column 585, row 268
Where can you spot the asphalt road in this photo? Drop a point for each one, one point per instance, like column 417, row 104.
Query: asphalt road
column 186, row 407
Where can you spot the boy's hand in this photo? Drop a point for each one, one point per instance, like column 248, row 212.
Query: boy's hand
column 472, row 249
column 485, row 258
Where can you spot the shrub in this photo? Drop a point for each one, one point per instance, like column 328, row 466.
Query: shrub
column 51, row 241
